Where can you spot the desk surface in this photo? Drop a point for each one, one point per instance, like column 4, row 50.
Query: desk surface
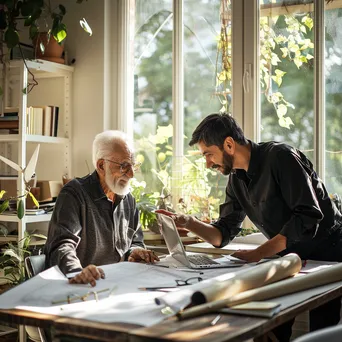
column 230, row 328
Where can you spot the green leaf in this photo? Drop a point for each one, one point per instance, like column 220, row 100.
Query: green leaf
column 4, row 206
column 61, row 35
column 281, row 111
column 2, row 193
column 33, row 32
column 62, row 9
column 11, row 37
column 20, row 209
column 285, row 122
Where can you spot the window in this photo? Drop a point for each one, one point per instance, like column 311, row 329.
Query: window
column 162, row 129
column 297, row 98
column 286, row 82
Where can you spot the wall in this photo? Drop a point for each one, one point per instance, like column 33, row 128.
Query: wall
column 95, row 74
column 87, row 118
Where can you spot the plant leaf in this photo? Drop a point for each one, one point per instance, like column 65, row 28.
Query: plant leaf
column 11, row 164
column 20, row 209
column 12, row 254
column 4, row 206
column 34, row 200
column 86, row 26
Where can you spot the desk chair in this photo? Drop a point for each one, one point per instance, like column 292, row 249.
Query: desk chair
column 331, row 334
column 35, row 264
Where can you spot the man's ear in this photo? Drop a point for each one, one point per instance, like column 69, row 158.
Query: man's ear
column 229, row 145
column 100, row 165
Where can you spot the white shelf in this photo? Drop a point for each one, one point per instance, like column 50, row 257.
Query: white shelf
column 43, row 68
column 34, row 139
column 26, row 218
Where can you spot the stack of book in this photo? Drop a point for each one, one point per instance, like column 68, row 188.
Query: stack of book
column 9, row 121
column 39, row 120
column 42, row 120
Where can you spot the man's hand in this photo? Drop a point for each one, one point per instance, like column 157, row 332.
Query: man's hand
column 140, row 254
column 181, row 220
column 247, row 255
column 89, row 275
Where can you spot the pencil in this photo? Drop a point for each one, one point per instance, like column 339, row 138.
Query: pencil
column 157, row 288
column 160, row 265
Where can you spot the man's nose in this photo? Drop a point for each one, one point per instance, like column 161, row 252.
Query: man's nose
column 130, row 172
column 209, row 163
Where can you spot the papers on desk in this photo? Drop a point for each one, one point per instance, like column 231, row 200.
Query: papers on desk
column 123, row 302
column 310, row 266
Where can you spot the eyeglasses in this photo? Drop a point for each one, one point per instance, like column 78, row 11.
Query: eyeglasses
column 126, row 167
column 189, row 281
column 74, row 297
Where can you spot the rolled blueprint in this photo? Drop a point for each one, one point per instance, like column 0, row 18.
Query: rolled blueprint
column 284, row 287
column 228, row 285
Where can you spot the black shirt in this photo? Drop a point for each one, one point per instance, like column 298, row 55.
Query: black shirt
column 281, row 194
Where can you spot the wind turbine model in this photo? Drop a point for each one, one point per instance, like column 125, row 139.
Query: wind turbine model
column 28, row 172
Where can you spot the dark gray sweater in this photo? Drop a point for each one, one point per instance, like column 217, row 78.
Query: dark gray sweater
column 87, row 228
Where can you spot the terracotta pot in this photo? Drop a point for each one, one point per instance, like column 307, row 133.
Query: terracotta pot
column 53, row 51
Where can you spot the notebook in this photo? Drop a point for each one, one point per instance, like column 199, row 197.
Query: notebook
column 177, row 251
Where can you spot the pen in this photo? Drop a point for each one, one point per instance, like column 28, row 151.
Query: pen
column 160, row 265
column 157, row 288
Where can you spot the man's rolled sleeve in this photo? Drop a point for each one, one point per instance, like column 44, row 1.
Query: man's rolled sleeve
column 138, row 237
column 230, row 220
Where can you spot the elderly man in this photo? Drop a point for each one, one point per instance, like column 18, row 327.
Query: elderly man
column 95, row 220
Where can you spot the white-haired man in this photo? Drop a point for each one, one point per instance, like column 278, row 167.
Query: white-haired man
column 95, row 220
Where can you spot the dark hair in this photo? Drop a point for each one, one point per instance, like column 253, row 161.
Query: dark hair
column 215, row 128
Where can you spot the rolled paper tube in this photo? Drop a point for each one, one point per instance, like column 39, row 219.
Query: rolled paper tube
column 287, row 286
column 259, row 275
column 229, row 284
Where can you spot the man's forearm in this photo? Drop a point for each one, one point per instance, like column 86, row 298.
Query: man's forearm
column 272, row 246
column 205, row 231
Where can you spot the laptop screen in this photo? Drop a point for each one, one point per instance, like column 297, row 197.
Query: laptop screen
column 172, row 239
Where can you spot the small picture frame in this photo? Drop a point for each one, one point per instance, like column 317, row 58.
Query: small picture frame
column 27, row 51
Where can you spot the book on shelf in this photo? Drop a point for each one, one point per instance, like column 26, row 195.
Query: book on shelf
column 40, row 120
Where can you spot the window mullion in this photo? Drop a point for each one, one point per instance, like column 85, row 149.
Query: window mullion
column 178, row 78
column 177, row 98
column 319, row 100
column 250, row 70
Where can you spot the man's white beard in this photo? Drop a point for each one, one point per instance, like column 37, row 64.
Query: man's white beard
column 115, row 187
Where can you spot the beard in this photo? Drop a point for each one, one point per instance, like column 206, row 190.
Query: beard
column 228, row 162
column 115, row 186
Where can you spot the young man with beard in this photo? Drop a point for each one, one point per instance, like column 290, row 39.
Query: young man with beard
column 95, row 220
column 276, row 186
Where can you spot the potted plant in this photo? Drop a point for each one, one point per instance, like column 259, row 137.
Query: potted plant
column 38, row 16
column 12, row 258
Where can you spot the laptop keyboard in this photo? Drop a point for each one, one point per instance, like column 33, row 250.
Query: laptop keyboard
column 198, row 259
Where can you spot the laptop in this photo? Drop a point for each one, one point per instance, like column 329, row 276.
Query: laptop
column 177, row 251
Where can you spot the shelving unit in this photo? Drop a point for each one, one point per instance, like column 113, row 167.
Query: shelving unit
column 57, row 76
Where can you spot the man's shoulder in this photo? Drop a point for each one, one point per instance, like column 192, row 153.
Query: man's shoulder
column 275, row 147
column 79, row 183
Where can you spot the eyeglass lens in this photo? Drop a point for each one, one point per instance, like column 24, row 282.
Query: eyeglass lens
column 189, row 281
